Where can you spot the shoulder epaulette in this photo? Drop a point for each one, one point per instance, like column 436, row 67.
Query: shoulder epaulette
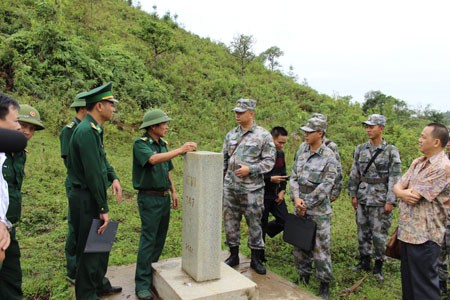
column 94, row 127
column 70, row 125
column 144, row 138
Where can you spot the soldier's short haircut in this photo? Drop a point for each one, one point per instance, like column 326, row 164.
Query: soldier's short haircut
column 5, row 103
column 439, row 132
column 277, row 131
column 90, row 106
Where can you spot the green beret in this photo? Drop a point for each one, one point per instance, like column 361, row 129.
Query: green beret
column 30, row 115
column 101, row 93
column 154, row 117
column 79, row 101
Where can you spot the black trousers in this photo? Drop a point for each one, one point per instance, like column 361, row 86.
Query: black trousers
column 279, row 211
column 420, row 278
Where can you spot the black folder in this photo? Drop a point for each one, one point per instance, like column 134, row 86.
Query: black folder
column 300, row 232
column 98, row 243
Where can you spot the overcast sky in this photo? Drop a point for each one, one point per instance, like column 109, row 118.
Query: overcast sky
column 345, row 48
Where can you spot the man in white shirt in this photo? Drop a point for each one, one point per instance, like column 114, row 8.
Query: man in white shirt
column 9, row 119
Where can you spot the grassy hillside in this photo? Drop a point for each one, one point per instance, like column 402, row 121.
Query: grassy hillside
column 51, row 50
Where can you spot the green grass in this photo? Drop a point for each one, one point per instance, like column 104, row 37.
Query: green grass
column 42, row 230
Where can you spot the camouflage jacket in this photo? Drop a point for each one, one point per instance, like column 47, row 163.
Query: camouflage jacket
column 337, row 187
column 386, row 165
column 256, row 150
column 313, row 177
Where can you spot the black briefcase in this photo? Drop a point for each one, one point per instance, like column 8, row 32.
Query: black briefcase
column 300, row 232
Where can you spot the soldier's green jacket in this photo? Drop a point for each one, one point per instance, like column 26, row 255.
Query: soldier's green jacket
column 145, row 175
column 387, row 164
column 313, row 176
column 13, row 173
column 256, row 150
column 64, row 138
column 337, row 187
column 88, row 167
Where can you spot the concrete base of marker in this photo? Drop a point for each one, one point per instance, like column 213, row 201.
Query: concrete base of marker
column 171, row 282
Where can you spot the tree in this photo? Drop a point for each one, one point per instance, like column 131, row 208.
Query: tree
column 270, row 55
column 158, row 35
column 377, row 102
column 241, row 48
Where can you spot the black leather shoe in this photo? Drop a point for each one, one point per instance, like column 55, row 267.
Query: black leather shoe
column 112, row 290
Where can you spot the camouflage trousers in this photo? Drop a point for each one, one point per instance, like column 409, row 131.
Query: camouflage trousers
column 321, row 254
column 250, row 204
column 443, row 256
column 373, row 225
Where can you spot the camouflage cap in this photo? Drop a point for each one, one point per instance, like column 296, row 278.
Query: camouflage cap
column 375, row 119
column 154, row 117
column 315, row 124
column 320, row 116
column 79, row 101
column 244, row 105
column 30, row 115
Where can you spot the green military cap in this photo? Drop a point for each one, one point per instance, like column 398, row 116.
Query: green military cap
column 375, row 119
column 154, row 117
column 79, row 101
column 315, row 124
column 244, row 105
column 30, row 115
column 101, row 93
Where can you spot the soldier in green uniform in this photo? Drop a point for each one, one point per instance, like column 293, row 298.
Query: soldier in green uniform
column 152, row 178
column 13, row 172
column 64, row 138
column 90, row 175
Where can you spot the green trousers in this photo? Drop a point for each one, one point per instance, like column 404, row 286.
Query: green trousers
column 71, row 243
column 11, row 272
column 155, row 215
column 91, row 267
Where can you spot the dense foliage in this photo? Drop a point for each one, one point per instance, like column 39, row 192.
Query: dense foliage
column 50, row 50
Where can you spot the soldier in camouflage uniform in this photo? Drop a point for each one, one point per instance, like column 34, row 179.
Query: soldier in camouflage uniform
column 337, row 187
column 370, row 187
column 313, row 175
column 249, row 152
column 64, row 138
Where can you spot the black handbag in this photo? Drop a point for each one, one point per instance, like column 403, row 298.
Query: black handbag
column 300, row 232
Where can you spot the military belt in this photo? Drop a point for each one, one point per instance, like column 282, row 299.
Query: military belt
column 374, row 180
column 306, row 189
column 155, row 193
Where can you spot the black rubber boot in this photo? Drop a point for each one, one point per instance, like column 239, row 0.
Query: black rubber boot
column 233, row 259
column 377, row 270
column 364, row 264
column 443, row 287
column 263, row 256
column 256, row 263
column 304, row 279
column 324, row 290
